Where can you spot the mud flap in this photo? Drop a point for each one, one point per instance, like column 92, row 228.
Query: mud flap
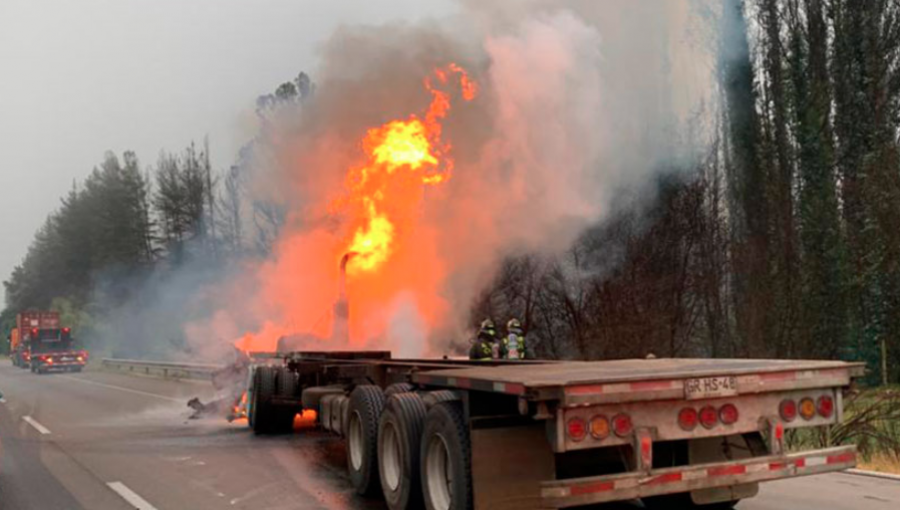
column 508, row 466
column 721, row 449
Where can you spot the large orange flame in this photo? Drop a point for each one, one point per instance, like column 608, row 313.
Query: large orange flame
column 379, row 205
column 401, row 157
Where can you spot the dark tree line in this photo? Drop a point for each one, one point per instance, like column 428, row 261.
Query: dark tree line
column 124, row 224
column 784, row 241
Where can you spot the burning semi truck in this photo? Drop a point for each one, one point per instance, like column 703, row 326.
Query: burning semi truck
column 39, row 342
column 492, row 435
column 461, row 434
column 453, row 435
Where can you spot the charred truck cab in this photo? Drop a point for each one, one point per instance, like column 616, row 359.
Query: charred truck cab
column 457, row 435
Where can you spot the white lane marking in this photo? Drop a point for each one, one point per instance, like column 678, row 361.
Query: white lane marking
column 120, row 388
column 130, row 496
column 37, row 426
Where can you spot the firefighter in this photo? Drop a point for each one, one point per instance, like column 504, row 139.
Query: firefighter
column 485, row 345
column 514, row 341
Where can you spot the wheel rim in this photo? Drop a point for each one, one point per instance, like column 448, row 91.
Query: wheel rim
column 438, row 473
column 390, row 456
column 356, row 441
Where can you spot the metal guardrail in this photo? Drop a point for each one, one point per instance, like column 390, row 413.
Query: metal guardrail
column 162, row 369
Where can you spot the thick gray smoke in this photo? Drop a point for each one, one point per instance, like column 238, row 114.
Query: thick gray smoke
column 580, row 104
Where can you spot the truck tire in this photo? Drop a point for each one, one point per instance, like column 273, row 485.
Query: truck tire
column 251, row 399
column 446, row 469
column 366, row 405
column 287, row 383
column 264, row 412
column 345, row 416
column 283, row 415
column 398, row 388
column 433, row 398
column 399, row 440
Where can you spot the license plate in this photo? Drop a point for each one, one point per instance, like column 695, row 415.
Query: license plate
column 710, row 387
column 68, row 359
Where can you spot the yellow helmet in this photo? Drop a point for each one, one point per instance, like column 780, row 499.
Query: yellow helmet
column 513, row 324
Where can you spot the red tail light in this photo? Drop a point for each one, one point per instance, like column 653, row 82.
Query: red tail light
column 35, row 332
column 825, row 406
column 687, row 419
column 807, row 408
column 577, row 429
column 728, row 414
column 709, row 417
column 622, row 425
column 788, row 410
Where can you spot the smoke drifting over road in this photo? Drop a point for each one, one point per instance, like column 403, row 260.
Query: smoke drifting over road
column 577, row 103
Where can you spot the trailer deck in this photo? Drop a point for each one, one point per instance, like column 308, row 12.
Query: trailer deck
column 572, row 373
column 556, row 434
column 582, row 382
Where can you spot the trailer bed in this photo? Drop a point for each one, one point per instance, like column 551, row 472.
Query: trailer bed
column 595, row 381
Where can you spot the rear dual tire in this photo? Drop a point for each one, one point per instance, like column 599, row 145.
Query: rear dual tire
column 399, row 440
column 266, row 417
column 364, row 413
column 445, row 464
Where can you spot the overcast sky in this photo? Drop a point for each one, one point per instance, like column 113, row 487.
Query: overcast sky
column 79, row 78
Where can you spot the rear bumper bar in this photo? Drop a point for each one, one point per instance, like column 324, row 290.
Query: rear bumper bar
column 60, row 364
column 633, row 485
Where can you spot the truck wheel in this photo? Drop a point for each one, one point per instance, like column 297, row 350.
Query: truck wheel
column 283, row 415
column 264, row 419
column 399, row 440
column 251, row 399
column 398, row 388
column 446, row 459
column 433, row 398
column 366, row 404
column 345, row 416
column 287, row 383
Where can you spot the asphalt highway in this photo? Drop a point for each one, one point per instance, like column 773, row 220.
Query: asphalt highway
column 98, row 441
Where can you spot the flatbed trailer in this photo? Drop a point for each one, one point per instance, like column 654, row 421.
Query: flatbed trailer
column 459, row 434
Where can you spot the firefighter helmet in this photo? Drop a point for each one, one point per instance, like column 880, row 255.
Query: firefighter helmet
column 514, row 324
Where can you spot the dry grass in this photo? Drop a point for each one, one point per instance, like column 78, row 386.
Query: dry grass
column 871, row 422
column 884, row 463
